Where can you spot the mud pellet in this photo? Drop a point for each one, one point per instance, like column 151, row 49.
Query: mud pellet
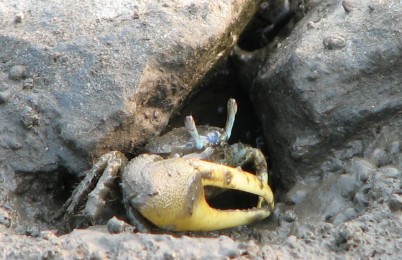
column 5, row 96
column 380, row 156
column 348, row 6
column 5, row 218
column 334, row 42
column 115, row 226
column 291, row 241
column 28, row 83
column 311, row 25
column 294, row 229
column 361, row 167
column 17, row 72
column 12, row 143
column 289, row 216
column 350, row 213
column 395, row 203
column 389, row 171
column 394, row 148
column 19, row 18
column 47, row 234
column 29, row 117
column 32, row 231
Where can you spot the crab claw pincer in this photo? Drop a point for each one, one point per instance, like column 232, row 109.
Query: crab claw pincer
column 170, row 193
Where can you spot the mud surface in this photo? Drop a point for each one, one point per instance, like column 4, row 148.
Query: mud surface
column 355, row 212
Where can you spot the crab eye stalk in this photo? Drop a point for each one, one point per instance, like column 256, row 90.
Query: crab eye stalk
column 192, row 130
column 232, row 110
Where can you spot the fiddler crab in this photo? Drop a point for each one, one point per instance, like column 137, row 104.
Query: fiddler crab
column 168, row 184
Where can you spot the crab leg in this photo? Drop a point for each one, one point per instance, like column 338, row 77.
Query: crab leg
column 98, row 196
column 105, row 169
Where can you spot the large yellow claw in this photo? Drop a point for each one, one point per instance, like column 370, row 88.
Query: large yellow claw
column 170, row 193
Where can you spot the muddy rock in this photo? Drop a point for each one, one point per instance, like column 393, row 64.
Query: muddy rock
column 78, row 79
column 331, row 91
column 347, row 199
column 94, row 72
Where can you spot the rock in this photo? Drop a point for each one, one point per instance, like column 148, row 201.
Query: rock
column 289, row 216
column 18, row 18
column 29, row 117
column 395, row 203
column 28, row 83
column 361, row 167
column 347, row 236
column 291, row 241
column 334, row 101
column 5, row 218
column 48, row 235
column 115, row 226
column 82, row 78
column 95, row 76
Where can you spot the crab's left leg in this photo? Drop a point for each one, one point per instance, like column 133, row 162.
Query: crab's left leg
column 240, row 154
column 94, row 188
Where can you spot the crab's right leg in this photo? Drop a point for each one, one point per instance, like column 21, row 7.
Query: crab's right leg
column 94, row 188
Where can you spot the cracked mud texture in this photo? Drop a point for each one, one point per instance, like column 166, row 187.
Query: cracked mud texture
column 347, row 205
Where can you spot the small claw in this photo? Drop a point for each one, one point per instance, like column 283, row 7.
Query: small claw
column 174, row 197
column 239, row 155
column 232, row 110
column 192, row 130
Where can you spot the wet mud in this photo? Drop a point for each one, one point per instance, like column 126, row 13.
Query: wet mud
column 353, row 209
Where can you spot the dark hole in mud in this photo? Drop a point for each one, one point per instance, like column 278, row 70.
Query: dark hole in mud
column 208, row 107
column 270, row 21
column 39, row 195
column 226, row 199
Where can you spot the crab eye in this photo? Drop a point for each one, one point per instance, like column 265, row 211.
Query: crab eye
column 213, row 138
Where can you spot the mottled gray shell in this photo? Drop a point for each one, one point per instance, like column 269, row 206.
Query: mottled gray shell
column 179, row 140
